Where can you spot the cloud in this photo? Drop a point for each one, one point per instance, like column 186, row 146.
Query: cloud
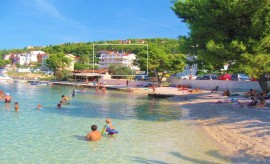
column 153, row 22
column 48, row 8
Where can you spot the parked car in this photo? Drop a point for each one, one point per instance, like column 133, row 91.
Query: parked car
column 141, row 77
column 240, row 77
column 199, row 77
column 210, row 77
column 225, row 77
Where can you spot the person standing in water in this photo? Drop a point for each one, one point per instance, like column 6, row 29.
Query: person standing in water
column 7, row 98
column 16, row 107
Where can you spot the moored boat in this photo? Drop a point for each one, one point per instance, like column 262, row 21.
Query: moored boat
column 39, row 83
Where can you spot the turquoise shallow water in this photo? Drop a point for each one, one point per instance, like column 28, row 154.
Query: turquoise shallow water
column 150, row 131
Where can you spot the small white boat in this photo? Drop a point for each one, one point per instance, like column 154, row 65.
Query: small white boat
column 39, row 83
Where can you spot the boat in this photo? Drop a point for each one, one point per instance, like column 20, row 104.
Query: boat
column 155, row 95
column 39, row 83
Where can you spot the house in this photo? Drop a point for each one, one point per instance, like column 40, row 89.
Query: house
column 24, row 58
column 72, row 58
column 111, row 57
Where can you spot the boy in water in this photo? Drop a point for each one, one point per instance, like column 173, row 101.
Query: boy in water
column 16, row 107
column 94, row 135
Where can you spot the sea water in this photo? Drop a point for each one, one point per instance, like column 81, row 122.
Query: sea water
column 150, row 130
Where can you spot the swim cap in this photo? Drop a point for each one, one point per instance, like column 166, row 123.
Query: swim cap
column 7, row 94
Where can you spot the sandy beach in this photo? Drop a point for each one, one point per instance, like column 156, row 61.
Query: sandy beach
column 242, row 133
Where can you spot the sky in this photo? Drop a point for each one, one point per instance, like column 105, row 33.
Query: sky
column 50, row 22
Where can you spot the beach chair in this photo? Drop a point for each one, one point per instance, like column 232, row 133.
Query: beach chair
column 215, row 89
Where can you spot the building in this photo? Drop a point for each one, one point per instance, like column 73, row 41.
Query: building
column 111, row 57
column 24, row 58
column 72, row 59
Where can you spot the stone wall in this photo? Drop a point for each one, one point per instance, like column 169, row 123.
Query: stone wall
column 235, row 86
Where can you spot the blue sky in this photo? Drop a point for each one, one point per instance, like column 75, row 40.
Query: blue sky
column 45, row 22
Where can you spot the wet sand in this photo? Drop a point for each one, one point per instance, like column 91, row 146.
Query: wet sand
column 243, row 133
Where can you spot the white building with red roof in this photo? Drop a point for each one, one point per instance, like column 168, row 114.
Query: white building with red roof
column 111, row 57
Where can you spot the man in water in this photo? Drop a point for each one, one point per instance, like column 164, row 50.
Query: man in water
column 94, row 135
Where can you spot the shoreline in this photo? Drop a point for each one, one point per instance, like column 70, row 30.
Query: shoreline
column 242, row 134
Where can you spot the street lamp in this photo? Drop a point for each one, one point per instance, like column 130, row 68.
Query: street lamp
column 190, row 74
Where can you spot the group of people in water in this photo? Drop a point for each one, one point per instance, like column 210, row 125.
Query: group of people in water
column 94, row 135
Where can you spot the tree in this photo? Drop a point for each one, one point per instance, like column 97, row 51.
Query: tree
column 228, row 32
column 115, row 69
column 161, row 61
column 57, row 61
column 3, row 63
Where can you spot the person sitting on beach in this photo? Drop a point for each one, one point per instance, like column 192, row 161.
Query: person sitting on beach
column 267, row 96
column 226, row 93
column 261, row 103
column 7, row 98
column 253, row 102
column 196, row 90
column 16, row 106
column 94, row 135
column 110, row 128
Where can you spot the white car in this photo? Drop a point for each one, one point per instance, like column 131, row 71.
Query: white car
column 187, row 77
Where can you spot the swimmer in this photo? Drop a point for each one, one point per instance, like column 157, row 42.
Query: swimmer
column 65, row 99
column 59, row 105
column 2, row 94
column 7, row 98
column 16, row 107
column 39, row 107
column 103, row 89
column 97, row 88
column 73, row 93
column 94, row 135
column 110, row 128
